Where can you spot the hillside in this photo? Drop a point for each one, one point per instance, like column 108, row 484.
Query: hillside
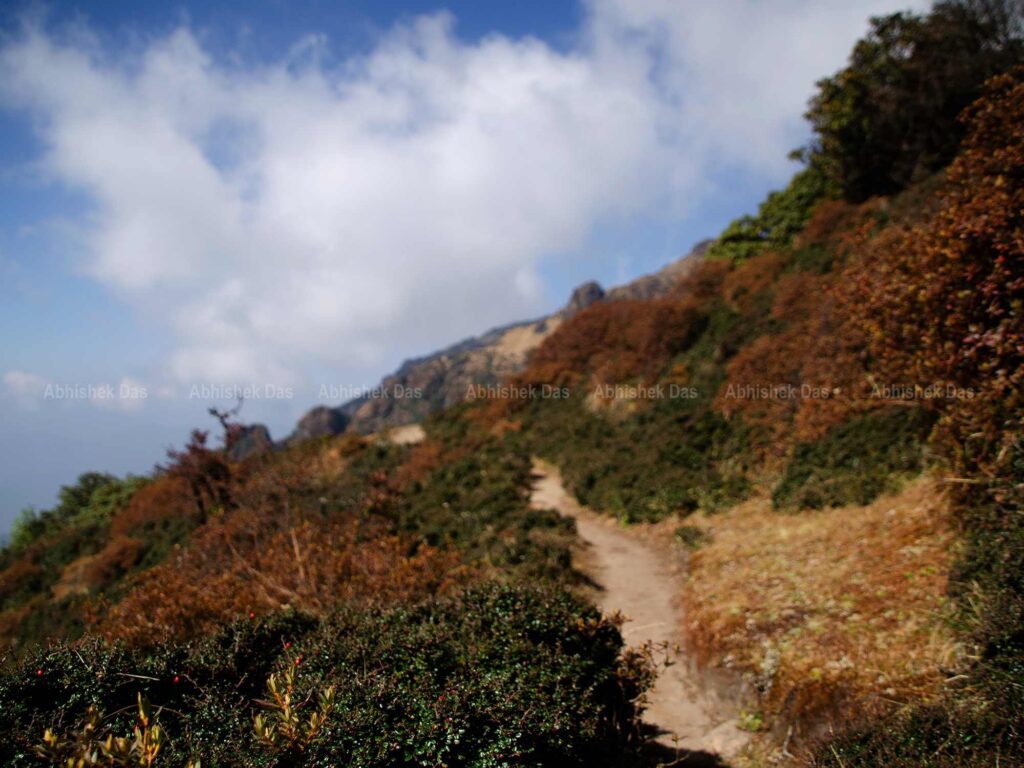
column 442, row 379
column 792, row 460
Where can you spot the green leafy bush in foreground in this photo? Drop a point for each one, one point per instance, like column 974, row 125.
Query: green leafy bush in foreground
column 498, row 675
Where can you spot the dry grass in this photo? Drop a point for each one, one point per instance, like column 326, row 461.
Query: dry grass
column 828, row 610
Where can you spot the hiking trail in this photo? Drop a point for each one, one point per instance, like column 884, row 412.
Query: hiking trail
column 643, row 583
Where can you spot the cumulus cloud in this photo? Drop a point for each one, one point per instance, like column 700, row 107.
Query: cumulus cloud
column 309, row 212
column 740, row 72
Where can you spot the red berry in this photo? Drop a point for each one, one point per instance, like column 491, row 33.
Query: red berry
column 252, row 615
column 177, row 679
column 39, row 673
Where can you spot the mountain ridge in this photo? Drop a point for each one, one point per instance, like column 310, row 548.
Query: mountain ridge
column 423, row 385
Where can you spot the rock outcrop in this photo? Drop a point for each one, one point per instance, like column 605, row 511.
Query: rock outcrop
column 585, row 295
column 253, row 440
column 321, row 421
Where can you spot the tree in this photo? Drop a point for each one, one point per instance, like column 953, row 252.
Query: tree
column 779, row 218
column 891, row 115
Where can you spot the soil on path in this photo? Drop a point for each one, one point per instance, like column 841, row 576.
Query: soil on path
column 642, row 582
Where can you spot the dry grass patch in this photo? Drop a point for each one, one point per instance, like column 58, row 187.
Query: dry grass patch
column 826, row 610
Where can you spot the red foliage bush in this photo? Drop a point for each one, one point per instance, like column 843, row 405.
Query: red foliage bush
column 941, row 302
column 615, row 341
column 798, row 382
column 245, row 564
column 206, row 471
column 165, row 498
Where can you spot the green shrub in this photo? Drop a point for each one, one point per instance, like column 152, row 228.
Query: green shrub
column 778, row 220
column 856, row 461
column 479, row 503
column 947, row 734
column 496, row 676
column 25, row 529
column 671, row 456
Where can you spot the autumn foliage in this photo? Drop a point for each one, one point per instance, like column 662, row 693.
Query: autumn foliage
column 280, row 548
column 246, row 565
column 616, row 341
column 942, row 302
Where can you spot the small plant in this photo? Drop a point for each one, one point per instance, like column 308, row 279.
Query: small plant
column 92, row 744
column 692, row 536
column 284, row 728
column 750, row 721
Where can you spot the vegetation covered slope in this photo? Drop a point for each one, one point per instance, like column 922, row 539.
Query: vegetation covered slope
column 413, row 583
column 863, row 326
column 826, row 364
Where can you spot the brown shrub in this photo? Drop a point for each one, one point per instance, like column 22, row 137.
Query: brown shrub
column 796, row 383
column 94, row 572
column 113, row 561
column 839, row 225
column 940, row 302
column 164, row 498
column 704, row 283
column 750, row 278
column 423, row 459
column 248, row 563
column 11, row 621
column 616, row 341
column 16, row 575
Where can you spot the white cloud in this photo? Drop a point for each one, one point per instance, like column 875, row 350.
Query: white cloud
column 23, row 385
column 302, row 213
column 30, row 390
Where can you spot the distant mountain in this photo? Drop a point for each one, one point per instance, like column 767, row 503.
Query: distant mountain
column 424, row 385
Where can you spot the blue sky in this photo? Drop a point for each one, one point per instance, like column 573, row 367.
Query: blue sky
column 279, row 195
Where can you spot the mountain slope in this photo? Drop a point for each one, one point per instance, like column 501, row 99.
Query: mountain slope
column 428, row 384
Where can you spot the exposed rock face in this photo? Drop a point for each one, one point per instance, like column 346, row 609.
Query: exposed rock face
column 428, row 384
column 585, row 295
column 662, row 281
column 322, row 421
column 254, row 439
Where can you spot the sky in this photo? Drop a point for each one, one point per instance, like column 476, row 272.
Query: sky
column 274, row 197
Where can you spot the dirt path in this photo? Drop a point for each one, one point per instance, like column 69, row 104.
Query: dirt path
column 638, row 580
